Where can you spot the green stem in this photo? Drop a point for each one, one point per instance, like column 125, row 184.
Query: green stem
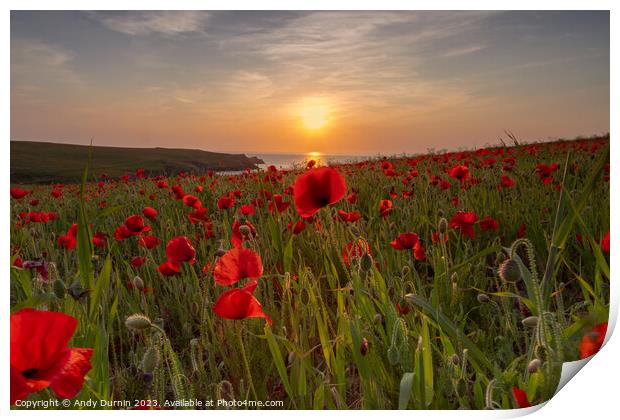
column 246, row 364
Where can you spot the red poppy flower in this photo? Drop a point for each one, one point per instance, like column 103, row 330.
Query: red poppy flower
column 279, row 203
column 180, row 249
column 34, row 202
column 464, row 221
column 240, row 303
column 148, row 241
column 169, row 268
column 507, row 182
column 318, row 188
column 56, row 193
column 310, row 164
column 237, row 264
column 605, row 243
column 355, row 249
column 18, row 193
column 459, row 172
column 69, row 241
column 592, row 342
column 150, row 213
column 522, row 231
column 192, row 201
column 419, row 253
column 99, row 239
column 138, row 261
column 385, row 207
column 520, row 397
column 40, row 357
column 488, row 223
column 405, row 240
column 351, row 217
column 199, row 216
column 296, row 227
column 352, row 198
column 224, row 203
column 436, row 237
column 135, row 225
column 246, row 210
column 121, row 233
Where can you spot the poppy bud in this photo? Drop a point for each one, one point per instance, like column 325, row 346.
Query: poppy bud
column 378, row 319
column 220, row 251
column 150, row 360
column 364, row 346
column 59, row 289
column 455, row 359
column 365, row 263
column 440, row 212
column 483, row 298
column 290, row 358
column 533, row 366
column 393, row 356
column 443, row 225
column 147, row 377
column 509, row 271
column 138, row 283
column 138, row 322
column 454, row 277
column 530, row 321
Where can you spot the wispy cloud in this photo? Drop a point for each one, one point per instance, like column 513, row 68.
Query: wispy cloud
column 168, row 23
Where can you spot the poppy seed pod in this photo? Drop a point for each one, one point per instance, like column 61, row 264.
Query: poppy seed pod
column 530, row 321
column 509, row 271
column 138, row 322
column 364, row 346
column 138, row 283
column 366, row 263
column 455, row 359
column 59, row 289
column 150, row 360
column 533, row 366
column 245, row 231
column 443, row 225
column 378, row 319
column 483, row 298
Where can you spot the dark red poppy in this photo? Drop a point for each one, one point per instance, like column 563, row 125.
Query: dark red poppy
column 224, row 203
column 296, row 227
column 240, row 303
column 246, row 210
column 310, row 164
column 169, row 268
column 520, row 397
column 237, row 264
column 592, row 341
column 68, row 241
column 385, row 207
column 522, row 231
column 352, row 198
column 317, row 188
column 56, row 193
column 150, row 213
column 279, row 204
column 138, row 261
column 605, row 243
column 34, row 202
column 180, row 249
column 99, row 239
column 192, row 201
column 148, row 241
column 199, row 216
column 405, row 240
column 350, row 217
column 507, row 182
column 135, row 225
column 459, row 172
column 464, row 221
column 419, row 253
column 121, row 233
column 18, row 193
column 40, row 357
column 488, row 223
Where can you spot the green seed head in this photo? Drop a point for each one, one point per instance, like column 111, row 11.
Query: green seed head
column 365, row 263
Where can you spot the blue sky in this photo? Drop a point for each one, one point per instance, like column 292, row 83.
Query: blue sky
column 386, row 82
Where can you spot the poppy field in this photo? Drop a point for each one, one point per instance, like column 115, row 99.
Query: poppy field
column 457, row 280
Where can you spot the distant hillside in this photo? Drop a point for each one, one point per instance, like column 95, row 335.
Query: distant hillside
column 42, row 162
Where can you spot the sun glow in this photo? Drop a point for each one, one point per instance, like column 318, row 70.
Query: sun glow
column 314, row 113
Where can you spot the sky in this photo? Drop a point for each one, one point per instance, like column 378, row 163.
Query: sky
column 348, row 82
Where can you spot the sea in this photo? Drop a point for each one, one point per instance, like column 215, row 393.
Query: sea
column 291, row 161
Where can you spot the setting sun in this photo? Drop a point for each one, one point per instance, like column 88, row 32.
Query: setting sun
column 314, row 113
